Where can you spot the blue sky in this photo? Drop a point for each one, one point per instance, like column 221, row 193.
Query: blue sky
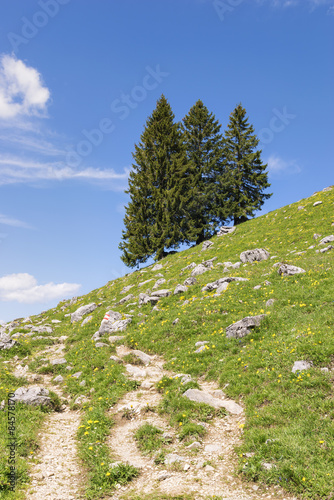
column 78, row 80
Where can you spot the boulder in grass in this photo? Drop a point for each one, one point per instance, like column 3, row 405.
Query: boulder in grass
column 327, row 239
column 190, row 281
column 300, row 366
column 226, row 230
column 257, row 254
column 81, row 400
column 161, row 293
column 218, row 283
column 199, row 396
column 87, row 320
column 126, row 299
column 158, row 283
column 60, row 361
column 289, row 270
column 206, row 245
column 112, row 322
column 6, row 342
column 326, row 249
column 243, row 327
column 82, row 311
column 144, row 358
column 190, row 266
column 157, row 267
column 200, row 269
column 33, row 395
column 180, row 289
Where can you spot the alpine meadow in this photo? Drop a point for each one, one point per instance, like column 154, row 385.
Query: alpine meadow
column 209, row 373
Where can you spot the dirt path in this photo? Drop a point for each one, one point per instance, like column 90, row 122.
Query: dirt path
column 55, row 472
column 205, row 472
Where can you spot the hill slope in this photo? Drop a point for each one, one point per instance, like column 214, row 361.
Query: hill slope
column 288, row 430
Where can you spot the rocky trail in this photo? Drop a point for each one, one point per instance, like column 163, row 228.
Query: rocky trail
column 206, row 469
column 56, row 473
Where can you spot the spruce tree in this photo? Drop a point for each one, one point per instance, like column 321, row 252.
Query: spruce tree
column 203, row 141
column 244, row 177
column 157, row 216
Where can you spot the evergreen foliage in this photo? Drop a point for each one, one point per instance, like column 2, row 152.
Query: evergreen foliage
column 203, row 141
column 245, row 177
column 187, row 179
column 157, row 216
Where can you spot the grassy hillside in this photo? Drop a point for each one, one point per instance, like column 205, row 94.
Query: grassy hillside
column 289, row 416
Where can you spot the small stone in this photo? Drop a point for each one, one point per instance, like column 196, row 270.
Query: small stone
column 59, row 378
column 201, row 342
column 200, row 349
column 324, row 369
column 115, row 359
column 209, row 468
column 255, row 486
column 186, row 467
column 171, row 458
column 317, row 203
column 194, row 446
column 101, row 344
column 270, row 302
column 323, row 250
column 163, row 477
column 77, row 374
column 257, row 287
column 267, row 466
column 60, row 361
column 176, row 320
column 82, row 383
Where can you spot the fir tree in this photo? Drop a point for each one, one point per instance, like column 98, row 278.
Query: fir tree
column 245, row 177
column 203, row 141
column 157, row 216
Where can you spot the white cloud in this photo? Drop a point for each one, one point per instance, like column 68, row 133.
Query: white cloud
column 21, row 89
column 23, row 288
column 17, row 170
column 9, row 221
column 278, row 166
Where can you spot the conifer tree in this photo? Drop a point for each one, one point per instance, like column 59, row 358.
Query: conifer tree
column 203, row 141
column 157, row 216
column 245, row 177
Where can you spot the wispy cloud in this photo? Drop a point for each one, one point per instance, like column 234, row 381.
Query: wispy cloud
column 30, row 143
column 21, row 89
column 23, row 288
column 10, row 221
column 278, row 167
column 15, row 170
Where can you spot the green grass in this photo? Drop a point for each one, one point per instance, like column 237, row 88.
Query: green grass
column 149, row 438
column 289, row 417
